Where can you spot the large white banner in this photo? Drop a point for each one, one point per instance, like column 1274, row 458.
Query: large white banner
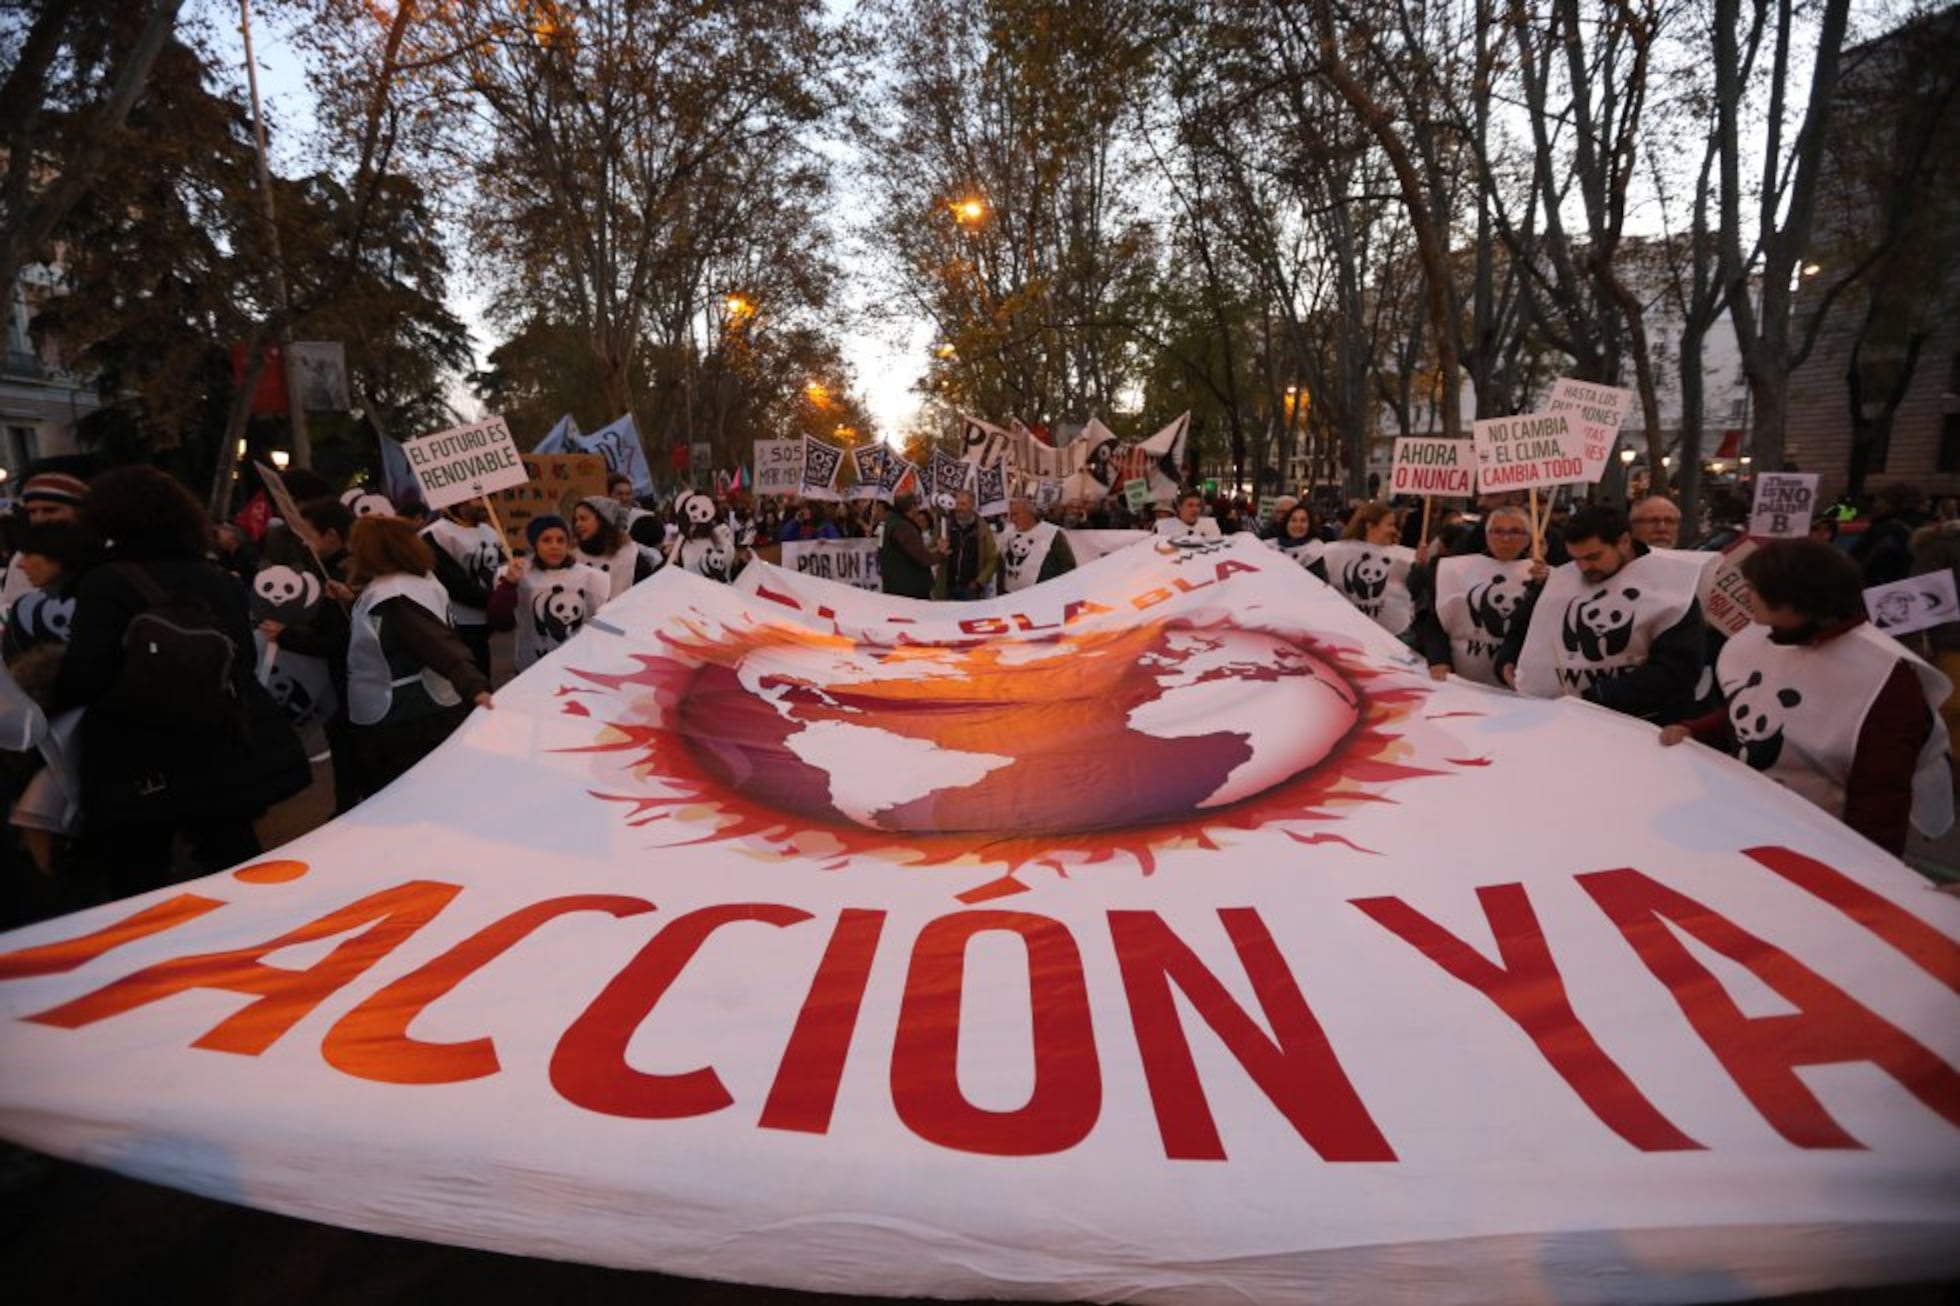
column 847, row 562
column 1158, row 934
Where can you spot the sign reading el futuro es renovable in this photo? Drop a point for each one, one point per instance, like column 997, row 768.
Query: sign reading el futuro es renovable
column 1428, row 466
column 1530, row 451
column 466, row 462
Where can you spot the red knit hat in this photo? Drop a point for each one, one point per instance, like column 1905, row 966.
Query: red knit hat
column 54, row 487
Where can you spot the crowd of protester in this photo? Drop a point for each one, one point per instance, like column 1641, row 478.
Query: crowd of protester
column 144, row 645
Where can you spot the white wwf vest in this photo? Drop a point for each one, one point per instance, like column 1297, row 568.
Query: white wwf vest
column 1796, row 712
column 1582, row 632
column 554, row 605
column 616, row 568
column 478, row 550
column 1374, row 578
column 1306, row 552
column 1022, row 554
column 371, row 683
column 712, row 555
column 1475, row 598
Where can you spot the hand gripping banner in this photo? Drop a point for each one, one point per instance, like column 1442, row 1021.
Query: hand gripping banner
column 1160, row 933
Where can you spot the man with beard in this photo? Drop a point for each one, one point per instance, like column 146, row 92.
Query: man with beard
column 905, row 561
column 469, row 554
column 1619, row 625
column 972, row 557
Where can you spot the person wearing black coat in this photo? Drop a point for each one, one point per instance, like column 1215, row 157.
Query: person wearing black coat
column 143, row 782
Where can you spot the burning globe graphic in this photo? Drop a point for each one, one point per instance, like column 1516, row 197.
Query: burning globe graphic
column 1081, row 744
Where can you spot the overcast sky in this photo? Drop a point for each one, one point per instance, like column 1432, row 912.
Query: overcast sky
column 887, row 359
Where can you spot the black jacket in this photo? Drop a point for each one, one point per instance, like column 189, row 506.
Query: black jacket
column 1661, row 689
column 130, row 769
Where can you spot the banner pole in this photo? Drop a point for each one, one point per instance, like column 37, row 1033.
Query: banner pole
column 1537, row 531
column 1423, row 539
column 496, row 521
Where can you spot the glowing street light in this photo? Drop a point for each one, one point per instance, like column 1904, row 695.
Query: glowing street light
column 968, row 211
column 1626, row 457
column 1812, row 269
column 818, row 394
column 739, row 307
column 946, row 350
column 279, row 459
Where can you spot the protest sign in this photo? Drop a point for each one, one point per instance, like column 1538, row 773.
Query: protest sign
column 1916, row 603
column 1724, row 594
column 1425, row 466
column 465, row 462
column 1047, row 493
column 1527, row 452
column 1599, row 411
column 1784, row 504
column 778, row 466
column 820, row 464
column 831, row 940
column 556, row 481
column 1137, row 492
column 848, row 562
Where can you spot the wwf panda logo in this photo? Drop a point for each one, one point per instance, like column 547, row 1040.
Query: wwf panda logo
column 557, row 614
column 1600, row 625
column 1019, row 550
column 1365, row 576
column 483, row 562
column 293, row 698
column 717, row 560
column 1491, row 604
column 284, row 594
column 1757, row 720
column 697, row 510
column 41, row 618
column 363, row 502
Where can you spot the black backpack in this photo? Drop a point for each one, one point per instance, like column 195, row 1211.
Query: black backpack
column 179, row 666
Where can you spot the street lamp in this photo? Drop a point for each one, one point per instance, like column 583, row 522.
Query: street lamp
column 818, row 394
column 1626, row 457
column 968, row 211
column 739, row 307
column 279, row 459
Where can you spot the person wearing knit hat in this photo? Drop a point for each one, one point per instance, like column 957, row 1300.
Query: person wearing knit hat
column 599, row 532
column 53, row 496
column 49, row 497
column 549, row 596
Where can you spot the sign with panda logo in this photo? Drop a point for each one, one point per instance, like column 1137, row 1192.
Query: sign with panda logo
column 1476, row 597
column 1583, row 631
column 1374, row 578
column 1783, row 506
column 288, row 595
column 1916, row 603
column 848, row 562
column 1531, row 451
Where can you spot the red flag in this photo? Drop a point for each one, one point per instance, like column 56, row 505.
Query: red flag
column 255, row 516
column 270, row 396
column 677, row 457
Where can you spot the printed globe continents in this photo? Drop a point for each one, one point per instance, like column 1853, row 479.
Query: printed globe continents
column 1075, row 735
